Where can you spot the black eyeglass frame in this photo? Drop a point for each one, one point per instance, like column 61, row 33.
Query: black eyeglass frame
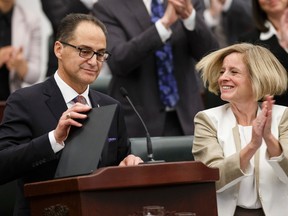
column 99, row 56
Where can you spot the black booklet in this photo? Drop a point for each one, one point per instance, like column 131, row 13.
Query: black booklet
column 84, row 145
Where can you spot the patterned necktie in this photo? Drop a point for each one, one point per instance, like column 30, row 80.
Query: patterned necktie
column 164, row 61
column 80, row 99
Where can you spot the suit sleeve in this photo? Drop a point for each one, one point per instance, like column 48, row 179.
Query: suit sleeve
column 281, row 167
column 207, row 149
column 20, row 153
column 133, row 39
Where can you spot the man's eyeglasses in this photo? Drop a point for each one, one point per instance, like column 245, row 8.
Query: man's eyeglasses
column 87, row 53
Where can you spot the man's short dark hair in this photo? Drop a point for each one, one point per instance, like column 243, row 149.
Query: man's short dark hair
column 69, row 23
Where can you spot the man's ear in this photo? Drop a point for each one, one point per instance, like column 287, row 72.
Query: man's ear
column 58, row 48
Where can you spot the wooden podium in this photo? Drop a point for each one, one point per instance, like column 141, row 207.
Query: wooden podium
column 123, row 191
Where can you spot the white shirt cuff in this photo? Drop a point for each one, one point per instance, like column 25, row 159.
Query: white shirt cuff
column 190, row 22
column 210, row 20
column 164, row 33
column 55, row 146
column 89, row 3
column 277, row 158
column 227, row 5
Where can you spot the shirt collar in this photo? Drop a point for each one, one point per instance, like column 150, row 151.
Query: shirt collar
column 69, row 93
column 270, row 33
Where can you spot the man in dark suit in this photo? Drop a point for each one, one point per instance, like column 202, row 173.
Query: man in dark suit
column 37, row 119
column 133, row 40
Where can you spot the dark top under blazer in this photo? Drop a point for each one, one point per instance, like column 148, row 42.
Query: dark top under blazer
column 25, row 151
column 133, row 40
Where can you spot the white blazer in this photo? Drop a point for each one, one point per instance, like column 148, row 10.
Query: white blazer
column 26, row 33
column 217, row 144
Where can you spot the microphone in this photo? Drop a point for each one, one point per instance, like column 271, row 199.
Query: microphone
column 124, row 93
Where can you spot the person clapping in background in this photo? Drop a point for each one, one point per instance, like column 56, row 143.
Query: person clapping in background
column 20, row 47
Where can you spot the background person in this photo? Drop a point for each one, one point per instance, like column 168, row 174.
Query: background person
column 245, row 139
column 267, row 16
column 20, row 47
column 135, row 38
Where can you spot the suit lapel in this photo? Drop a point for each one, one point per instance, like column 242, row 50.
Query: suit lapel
column 55, row 101
column 139, row 11
column 95, row 99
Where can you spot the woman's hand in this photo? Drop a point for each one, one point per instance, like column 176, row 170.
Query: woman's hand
column 273, row 146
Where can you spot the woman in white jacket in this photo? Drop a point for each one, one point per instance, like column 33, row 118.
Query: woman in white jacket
column 247, row 140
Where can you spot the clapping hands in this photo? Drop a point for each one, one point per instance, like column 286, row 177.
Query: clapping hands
column 283, row 30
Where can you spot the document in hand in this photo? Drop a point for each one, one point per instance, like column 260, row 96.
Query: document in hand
column 84, row 145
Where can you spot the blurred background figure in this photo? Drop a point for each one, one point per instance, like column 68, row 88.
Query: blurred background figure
column 139, row 34
column 228, row 19
column 267, row 32
column 20, row 47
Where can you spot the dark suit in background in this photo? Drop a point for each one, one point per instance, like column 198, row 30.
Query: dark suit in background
column 55, row 10
column 265, row 33
column 132, row 40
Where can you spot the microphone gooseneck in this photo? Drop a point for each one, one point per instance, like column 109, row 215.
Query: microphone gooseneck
column 124, row 92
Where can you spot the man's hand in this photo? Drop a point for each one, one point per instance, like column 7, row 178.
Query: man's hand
column 131, row 160
column 169, row 16
column 183, row 8
column 68, row 119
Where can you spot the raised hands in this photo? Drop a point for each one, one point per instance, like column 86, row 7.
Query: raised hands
column 18, row 63
column 262, row 129
column 183, row 8
column 216, row 8
column 5, row 54
column 283, row 30
column 176, row 9
column 14, row 60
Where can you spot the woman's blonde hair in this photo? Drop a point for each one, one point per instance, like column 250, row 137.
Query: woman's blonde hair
column 267, row 75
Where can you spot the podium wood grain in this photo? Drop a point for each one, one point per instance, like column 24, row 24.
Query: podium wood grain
column 123, row 191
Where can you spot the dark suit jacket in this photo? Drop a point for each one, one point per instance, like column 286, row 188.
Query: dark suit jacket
column 273, row 45
column 133, row 40
column 25, row 151
column 237, row 20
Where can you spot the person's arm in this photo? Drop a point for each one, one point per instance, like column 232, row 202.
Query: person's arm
column 20, row 152
column 280, row 163
column 208, row 150
column 132, row 43
column 129, row 49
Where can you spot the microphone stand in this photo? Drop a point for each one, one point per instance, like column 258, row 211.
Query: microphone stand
column 148, row 137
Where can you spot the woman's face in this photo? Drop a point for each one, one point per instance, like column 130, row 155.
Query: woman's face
column 234, row 81
column 273, row 6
